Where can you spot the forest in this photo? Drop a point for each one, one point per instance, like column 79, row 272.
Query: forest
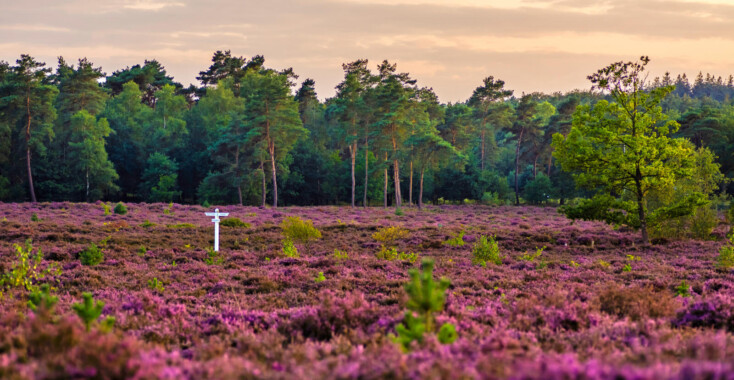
column 250, row 135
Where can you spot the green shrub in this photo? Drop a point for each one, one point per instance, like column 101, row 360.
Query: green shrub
column 683, row 290
column 90, row 310
column 341, row 255
column 426, row 298
column 299, row 230
column 206, row 204
column 156, row 285
column 106, row 208
column 392, row 253
column 627, row 268
column 289, row 249
column 41, row 299
column 532, row 256
column 388, row 235
column 91, row 255
column 703, row 222
column 725, row 260
column 181, row 225
column 34, row 217
column 142, row 251
column 538, row 190
column 486, row 251
column 399, row 212
column 120, row 209
column 456, row 240
column 214, row 257
column 234, row 222
column 26, row 270
column 147, row 224
column 320, row 277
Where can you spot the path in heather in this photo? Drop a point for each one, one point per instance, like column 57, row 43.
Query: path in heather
column 573, row 310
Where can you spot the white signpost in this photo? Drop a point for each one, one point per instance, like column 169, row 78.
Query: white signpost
column 216, row 214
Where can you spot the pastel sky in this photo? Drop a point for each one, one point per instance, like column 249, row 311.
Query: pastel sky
column 534, row 45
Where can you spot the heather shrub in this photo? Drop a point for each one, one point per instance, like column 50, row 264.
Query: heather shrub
column 90, row 310
column 486, row 251
column 91, row 255
column 426, row 298
column 234, row 222
column 715, row 313
column 120, row 209
column 299, row 230
column 636, row 303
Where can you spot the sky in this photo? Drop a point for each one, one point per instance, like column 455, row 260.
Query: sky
column 450, row 46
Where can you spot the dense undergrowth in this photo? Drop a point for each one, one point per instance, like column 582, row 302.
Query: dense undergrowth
column 560, row 300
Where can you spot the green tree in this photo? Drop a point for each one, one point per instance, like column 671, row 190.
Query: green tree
column 87, row 151
column 623, row 147
column 159, row 180
column 272, row 116
column 26, row 100
column 490, row 112
column 150, row 78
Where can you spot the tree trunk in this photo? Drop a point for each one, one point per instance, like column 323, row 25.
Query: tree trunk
column 420, row 191
column 271, row 148
column 396, row 175
column 517, row 167
column 28, row 148
column 366, row 171
column 264, row 188
column 410, row 186
column 384, row 192
column 640, row 208
column 353, row 156
column 535, row 167
column 86, row 195
column 481, row 163
column 550, row 163
column 237, row 167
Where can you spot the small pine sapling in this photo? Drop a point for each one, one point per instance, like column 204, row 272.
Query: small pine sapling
column 289, row 249
column 106, row 208
column 156, row 285
column 340, row 255
column 213, row 257
column 456, row 240
column 683, row 290
column 725, row 259
column 41, row 300
column 90, row 310
column 91, row 255
column 426, row 298
column 34, row 217
column 120, row 209
column 320, row 277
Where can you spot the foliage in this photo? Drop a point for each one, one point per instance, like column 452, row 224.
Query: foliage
column 426, row 298
column 388, row 235
column 289, row 249
column 41, row 299
column 179, row 226
column 725, row 259
column 120, row 209
column 92, row 255
column 90, row 310
column 683, row 290
column 213, row 257
column 392, row 253
column 531, row 257
column 538, row 190
column 106, row 208
column 234, row 222
column 147, row 224
column 297, row 229
column 157, row 285
column 320, row 277
column 340, row 255
column 34, row 217
column 625, row 147
column 456, row 240
column 486, row 251
column 26, row 270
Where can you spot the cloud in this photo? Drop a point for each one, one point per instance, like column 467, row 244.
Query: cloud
column 541, row 45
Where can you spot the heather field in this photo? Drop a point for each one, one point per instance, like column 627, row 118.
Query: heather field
column 592, row 305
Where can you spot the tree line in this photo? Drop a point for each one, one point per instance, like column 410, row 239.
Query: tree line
column 250, row 134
